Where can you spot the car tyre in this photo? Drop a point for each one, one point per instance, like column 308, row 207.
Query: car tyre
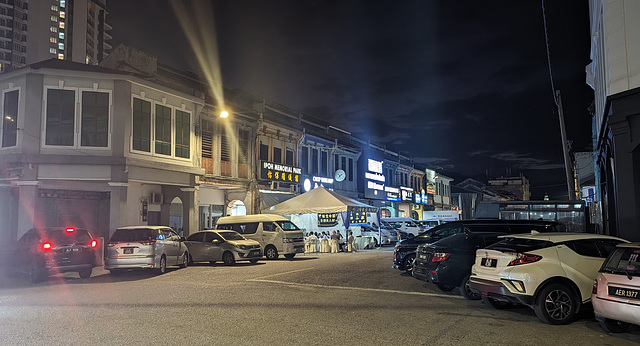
column 613, row 326
column 190, row 260
column 271, row 252
column 115, row 272
column 228, row 259
column 185, row 260
column 36, row 273
column 290, row 256
column 495, row 304
column 556, row 304
column 253, row 261
column 445, row 288
column 85, row 273
column 408, row 263
column 466, row 290
column 163, row 265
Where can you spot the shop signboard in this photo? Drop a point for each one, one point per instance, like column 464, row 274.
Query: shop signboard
column 357, row 218
column 327, row 219
column 312, row 182
column 279, row 172
column 406, row 194
column 392, row 194
column 374, row 180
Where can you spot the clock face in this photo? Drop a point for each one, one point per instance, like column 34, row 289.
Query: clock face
column 340, row 175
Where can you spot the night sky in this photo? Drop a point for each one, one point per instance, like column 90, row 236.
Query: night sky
column 461, row 86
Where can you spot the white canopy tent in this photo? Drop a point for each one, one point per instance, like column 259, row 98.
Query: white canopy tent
column 319, row 200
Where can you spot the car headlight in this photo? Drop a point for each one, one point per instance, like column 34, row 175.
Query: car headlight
column 244, row 247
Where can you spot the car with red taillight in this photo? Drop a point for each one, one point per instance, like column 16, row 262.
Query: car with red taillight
column 42, row 252
column 552, row 273
column 447, row 262
column 155, row 247
column 616, row 291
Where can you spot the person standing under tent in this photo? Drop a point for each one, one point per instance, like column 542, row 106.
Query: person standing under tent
column 351, row 243
column 334, row 242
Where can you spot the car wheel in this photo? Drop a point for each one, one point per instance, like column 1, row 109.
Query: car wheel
column 85, row 273
column 190, row 260
column 36, row 273
column 613, row 326
column 115, row 272
column 445, row 288
column 271, row 253
column 375, row 243
column 408, row 263
column 185, row 260
column 495, row 304
column 466, row 290
column 290, row 256
column 163, row 265
column 556, row 304
column 228, row 259
column 253, row 261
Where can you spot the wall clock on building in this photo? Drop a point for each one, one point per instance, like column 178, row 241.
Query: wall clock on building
column 340, row 175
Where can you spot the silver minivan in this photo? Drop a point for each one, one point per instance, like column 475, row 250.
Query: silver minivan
column 154, row 247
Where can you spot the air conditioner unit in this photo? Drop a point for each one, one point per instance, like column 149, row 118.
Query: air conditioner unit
column 155, row 198
column 275, row 185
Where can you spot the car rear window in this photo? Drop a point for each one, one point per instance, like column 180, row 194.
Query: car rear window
column 134, row 234
column 520, row 244
column 62, row 236
column 623, row 261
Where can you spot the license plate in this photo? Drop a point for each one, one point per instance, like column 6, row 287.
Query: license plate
column 489, row 262
column 254, row 253
column 624, row 292
column 127, row 250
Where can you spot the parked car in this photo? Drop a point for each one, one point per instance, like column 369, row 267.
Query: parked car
column 405, row 251
column 46, row 251
column 447, row 262
column 405, row 224
column 616, row 292
column 553, row 273
column 155, row 247
column 226, row 246
column 380, row 236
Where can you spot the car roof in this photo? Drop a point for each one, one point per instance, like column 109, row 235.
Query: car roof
column 144, row 227
column 251, row 218
column 503, row 221
column 562, row 236
column 630, row 245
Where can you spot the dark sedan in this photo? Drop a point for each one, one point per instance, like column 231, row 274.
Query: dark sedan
column 447, row 263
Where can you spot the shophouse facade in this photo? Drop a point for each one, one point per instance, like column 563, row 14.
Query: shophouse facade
column 91, row 147
column 614, row 74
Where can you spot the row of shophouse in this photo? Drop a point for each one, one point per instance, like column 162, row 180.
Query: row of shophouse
column 135, row 142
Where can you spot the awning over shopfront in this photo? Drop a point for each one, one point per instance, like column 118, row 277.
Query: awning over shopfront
column 267, row 200
column 319, row 200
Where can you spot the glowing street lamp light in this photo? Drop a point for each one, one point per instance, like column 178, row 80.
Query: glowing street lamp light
column 224, row 114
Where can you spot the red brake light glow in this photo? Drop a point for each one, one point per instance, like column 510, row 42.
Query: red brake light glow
column 440, row 256
column 94, row 243
column 46, row 246
column 70, row 230
column 523, row 258
column 594, row 290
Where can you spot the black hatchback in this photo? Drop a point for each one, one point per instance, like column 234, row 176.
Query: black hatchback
column 48, row 251
column 447, row 263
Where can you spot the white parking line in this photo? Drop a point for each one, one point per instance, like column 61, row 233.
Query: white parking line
column 357, row 288
column 289, row 272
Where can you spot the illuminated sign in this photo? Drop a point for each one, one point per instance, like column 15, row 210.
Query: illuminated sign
column 374, row 180
column 314, row 181
column 392, row 194
column 357, row 218
column 327, row 219
column 279, row 172
column 406, row 194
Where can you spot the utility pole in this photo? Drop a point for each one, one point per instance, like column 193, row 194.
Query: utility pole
column 565, row 149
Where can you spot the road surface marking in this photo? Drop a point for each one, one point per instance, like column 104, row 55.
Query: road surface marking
column 289, row 272
column 358, row 289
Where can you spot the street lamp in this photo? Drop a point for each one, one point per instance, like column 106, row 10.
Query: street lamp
column 224, row 114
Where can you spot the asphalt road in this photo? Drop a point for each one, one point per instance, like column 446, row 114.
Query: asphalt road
column 325, row 299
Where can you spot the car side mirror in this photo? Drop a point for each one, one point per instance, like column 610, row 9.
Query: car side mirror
column 216, row 241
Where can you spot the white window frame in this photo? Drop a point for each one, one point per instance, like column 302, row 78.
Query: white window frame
column 20, row 124
column 77, row 119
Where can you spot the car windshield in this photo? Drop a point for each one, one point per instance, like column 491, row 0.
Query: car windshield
column 231, row 235
column 135, row 234
column 65, row 237
column 623, row 261
column 520, row 244
column 287, row 225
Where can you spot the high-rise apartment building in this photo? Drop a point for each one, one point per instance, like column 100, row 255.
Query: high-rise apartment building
column 32, row 31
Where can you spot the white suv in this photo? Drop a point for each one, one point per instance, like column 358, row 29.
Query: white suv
column 551, row 272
